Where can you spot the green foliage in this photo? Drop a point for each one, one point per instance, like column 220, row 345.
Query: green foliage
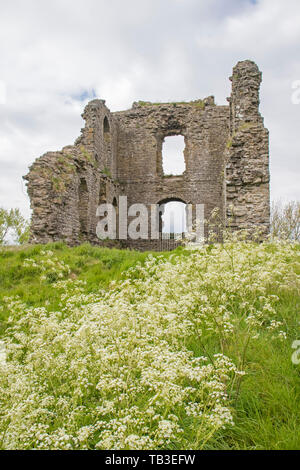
column 169, row 175
column 285, row 220
column 65, row 162
column 229, row 143
column 244, row 127
column 106, row 172
column 58, row 184
column 13, row 223
column 65, row 174
column 87, row 155
column 197, row 103
column 95, row 265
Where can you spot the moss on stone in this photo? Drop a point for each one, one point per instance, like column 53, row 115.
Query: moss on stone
column 88, row 156
column 229, row 143
column 66, row 165
column 106, row 172
column 197, row 103
column 58, row 184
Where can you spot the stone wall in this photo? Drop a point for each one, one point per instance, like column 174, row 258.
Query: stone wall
column 226, row 159
column 141, row 131
column 66, row 187
column 247, row 169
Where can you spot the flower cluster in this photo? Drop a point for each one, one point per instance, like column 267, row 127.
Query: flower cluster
column 50, row 267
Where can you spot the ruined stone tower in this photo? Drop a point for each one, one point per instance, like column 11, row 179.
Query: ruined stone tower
column 226, row 157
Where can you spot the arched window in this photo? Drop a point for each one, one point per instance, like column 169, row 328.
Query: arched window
column 173, row 221
column 106, row 158
column 115, row 204
column 173, row 161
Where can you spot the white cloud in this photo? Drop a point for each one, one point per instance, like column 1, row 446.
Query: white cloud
column 52, row 53
column 2, row 92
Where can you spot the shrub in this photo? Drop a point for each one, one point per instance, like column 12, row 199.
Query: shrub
column 285, row 220
column 12, row 223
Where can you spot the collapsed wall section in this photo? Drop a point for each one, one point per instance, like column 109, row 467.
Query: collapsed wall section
column 66, row 187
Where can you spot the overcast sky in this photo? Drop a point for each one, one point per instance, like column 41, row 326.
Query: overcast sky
column 57, row 55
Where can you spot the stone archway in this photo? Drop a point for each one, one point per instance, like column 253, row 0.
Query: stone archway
column 172, row 218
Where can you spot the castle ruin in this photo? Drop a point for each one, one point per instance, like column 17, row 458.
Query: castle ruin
column 120, row 153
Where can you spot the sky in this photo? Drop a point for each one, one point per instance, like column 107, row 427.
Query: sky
column 57, row 55
column 173, row 155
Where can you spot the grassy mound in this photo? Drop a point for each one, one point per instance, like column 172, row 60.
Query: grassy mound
column 108, row 349
column 94, row 265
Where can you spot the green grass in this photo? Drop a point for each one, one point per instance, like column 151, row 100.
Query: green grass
column 97, row 266
column 267, row 413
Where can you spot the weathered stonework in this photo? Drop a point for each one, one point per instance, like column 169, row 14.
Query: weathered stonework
column 226, row 157
column 247, row 165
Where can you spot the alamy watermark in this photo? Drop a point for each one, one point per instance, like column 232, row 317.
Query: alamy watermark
column 140, row 221
column 295, row 98
column 296, row 353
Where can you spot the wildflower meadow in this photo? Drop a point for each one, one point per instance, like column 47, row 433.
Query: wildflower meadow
column 114, row 349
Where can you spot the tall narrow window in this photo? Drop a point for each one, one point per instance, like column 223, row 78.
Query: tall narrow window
column 106, row 156
column 83, row 206
column 115, row 204
column 102, row 193
column 106, row 128
column 173, row 155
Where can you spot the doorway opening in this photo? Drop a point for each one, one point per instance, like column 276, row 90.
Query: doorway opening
column 172, row 219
